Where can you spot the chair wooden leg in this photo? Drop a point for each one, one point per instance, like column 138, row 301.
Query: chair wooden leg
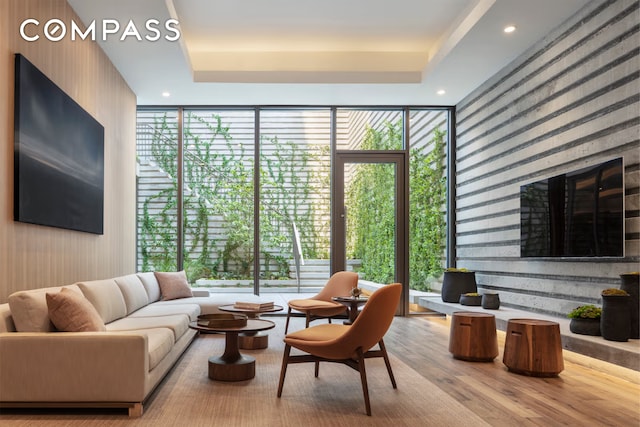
column 283, row 370
column 387, row 363
column 363, row 379
column 308, row 319
column 317, row 371
column 286, row 325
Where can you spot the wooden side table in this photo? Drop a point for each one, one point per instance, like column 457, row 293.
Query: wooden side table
column 352, row 304
column 473, row 336
column 533, row 347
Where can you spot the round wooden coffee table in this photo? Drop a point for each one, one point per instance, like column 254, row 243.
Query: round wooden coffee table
column 232, row 365
column 252, row 340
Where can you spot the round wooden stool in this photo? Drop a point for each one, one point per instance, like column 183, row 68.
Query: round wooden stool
column 473, row 336
column 533, row 347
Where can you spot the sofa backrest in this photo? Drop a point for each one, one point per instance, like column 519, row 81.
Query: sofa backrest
column 133, row 291
column 29, row 309
column 106, row 297
column 151, row 285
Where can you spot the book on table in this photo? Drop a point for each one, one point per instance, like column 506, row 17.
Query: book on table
column 253, row 305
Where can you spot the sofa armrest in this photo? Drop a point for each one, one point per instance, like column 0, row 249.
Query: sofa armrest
column 73, row 366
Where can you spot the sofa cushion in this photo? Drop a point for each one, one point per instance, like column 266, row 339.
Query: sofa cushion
column 135, row 296
column 70, row 311
column 159, row 343
column 106, row 297
column 29, row 309
column 173, row 285
column 151, row 285
column 159, row 309
column 208, row 305
column 179, row 324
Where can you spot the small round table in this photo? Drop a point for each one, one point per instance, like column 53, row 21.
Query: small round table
column 251, row 340
column 533, row 347
column 473, row 337
column 352, row 304
column 233, row 366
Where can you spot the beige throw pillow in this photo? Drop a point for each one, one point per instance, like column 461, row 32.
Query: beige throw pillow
column 173, row 285
column 70, row 311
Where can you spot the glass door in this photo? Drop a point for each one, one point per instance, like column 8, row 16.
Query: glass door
column 368, row 217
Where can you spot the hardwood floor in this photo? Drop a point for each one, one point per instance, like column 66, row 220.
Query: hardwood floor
column 586, row 393
column 600, row 395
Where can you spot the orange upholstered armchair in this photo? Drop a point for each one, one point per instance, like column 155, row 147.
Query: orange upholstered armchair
column 321, row 305
column 347, row 344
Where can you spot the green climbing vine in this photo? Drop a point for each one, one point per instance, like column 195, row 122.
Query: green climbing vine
column 218, row 195
column 287, row 185
column 218, row 201
column 370, row 203
column 427, row 204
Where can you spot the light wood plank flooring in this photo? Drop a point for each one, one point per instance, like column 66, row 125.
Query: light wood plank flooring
column 587, row 392
column 600, row 395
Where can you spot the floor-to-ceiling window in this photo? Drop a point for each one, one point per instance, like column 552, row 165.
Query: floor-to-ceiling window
column 210, row 174
column 218, row 168
column 295, row 164
column 428, row 136
column 244, row 177
column 157, row 190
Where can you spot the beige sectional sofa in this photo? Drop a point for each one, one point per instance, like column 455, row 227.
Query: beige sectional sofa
column 143, row 337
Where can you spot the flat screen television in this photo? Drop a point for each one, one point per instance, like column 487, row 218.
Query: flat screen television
column 576, row 214
column 58, row 156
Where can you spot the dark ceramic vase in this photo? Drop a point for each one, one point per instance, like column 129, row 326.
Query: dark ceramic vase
column 456, row 283
column 631, row 284
column 585, row 326
column 614, row 322
column 491, row 301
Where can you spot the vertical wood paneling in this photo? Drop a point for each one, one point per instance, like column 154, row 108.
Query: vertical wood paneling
column 33, row 256
column 571, row 101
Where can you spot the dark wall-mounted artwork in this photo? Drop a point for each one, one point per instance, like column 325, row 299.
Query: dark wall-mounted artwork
column 59, row 156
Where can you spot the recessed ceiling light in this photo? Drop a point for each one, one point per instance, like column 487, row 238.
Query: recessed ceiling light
column 166, row 94
column 441, row 92
column 509, row 29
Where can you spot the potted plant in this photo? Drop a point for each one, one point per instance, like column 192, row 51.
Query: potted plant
column 457, row 281
column 585, row 320
column 471, row 298
column 490, row 300
column 615, row 324
column 631, row 284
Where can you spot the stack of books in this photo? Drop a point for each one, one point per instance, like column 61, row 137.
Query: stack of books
column 253, row 305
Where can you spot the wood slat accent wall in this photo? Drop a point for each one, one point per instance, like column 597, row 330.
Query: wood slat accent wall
column 33, row 256
column 569, row 102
